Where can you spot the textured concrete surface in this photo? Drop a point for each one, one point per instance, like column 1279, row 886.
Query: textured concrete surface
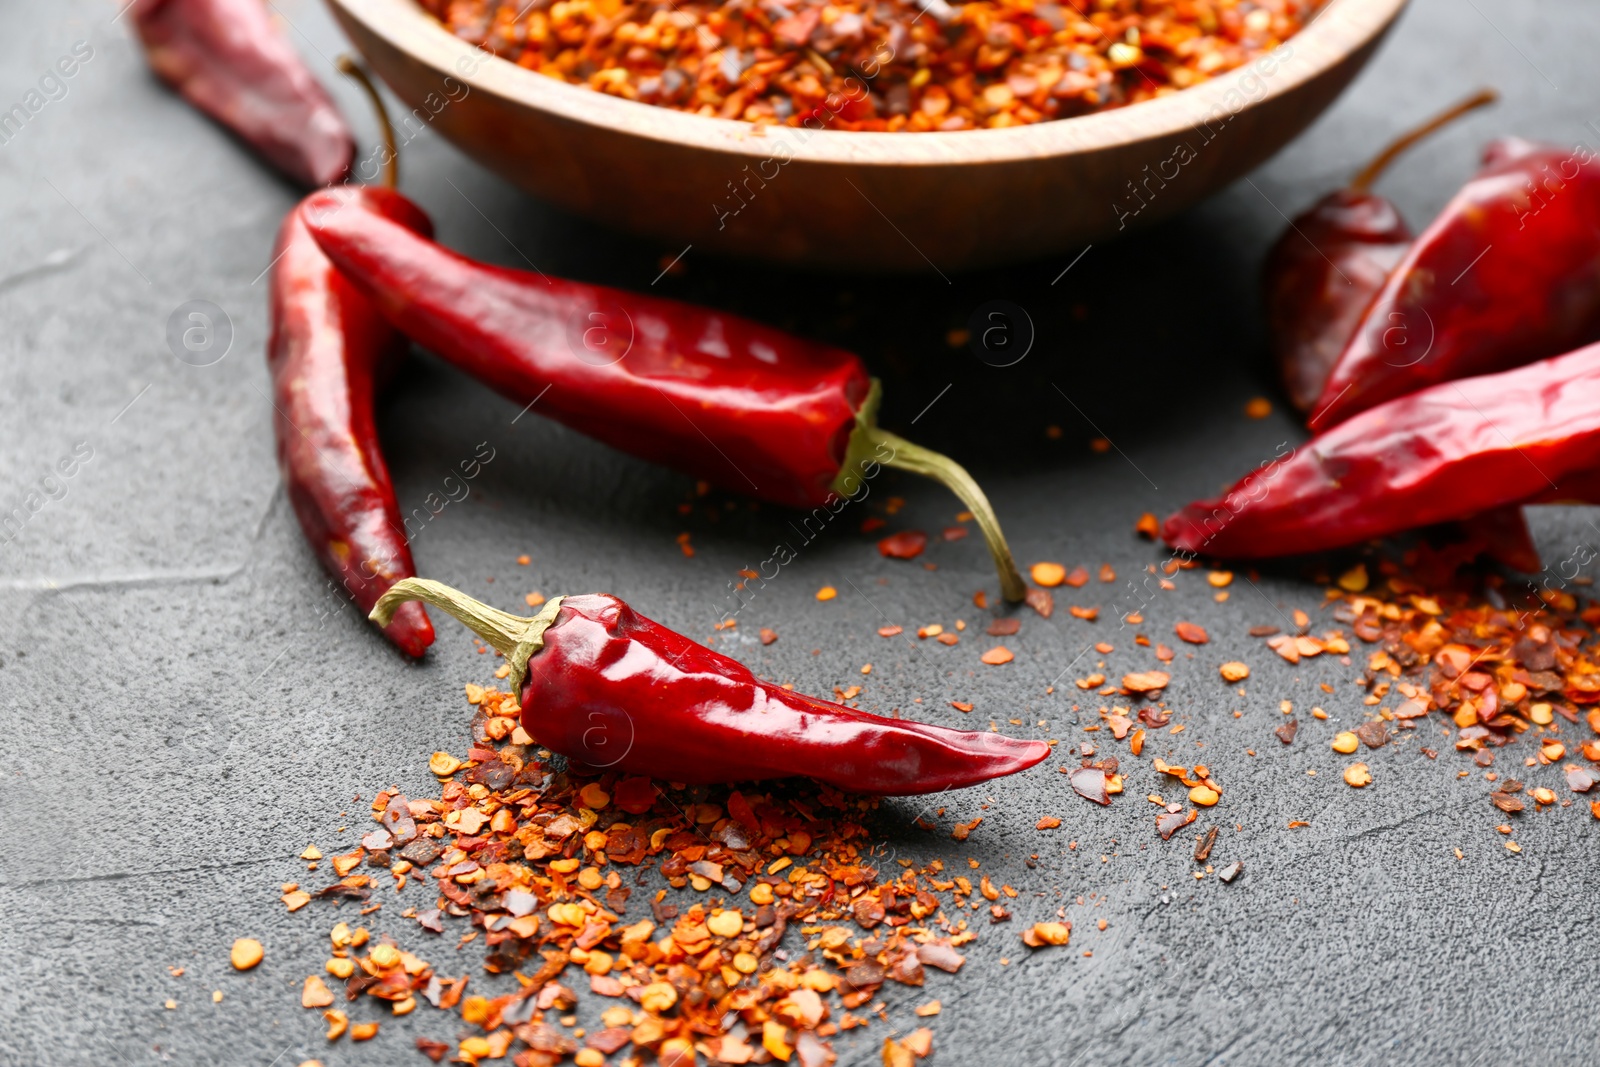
column 187, row 705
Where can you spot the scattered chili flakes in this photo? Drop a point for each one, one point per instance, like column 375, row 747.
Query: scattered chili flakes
column 1355, row 579
column 1145, row 681
column 315, row 993
column 1189, row 632
column 1040, row 935
column 1004, row 627
column 1148, row 526
column 890, row 631
column 538, row 874
column 768, row 635
column 997, row 656
column 1258, row 407
column 1204, row 844
column 1233, row 671
column 1357, row 775
column 1047, row 822
column 1086, row 614
column 1040, row 601
column 907, row 544
column 1171, row 821
column 1048, row 575
column 827, row 592
column 1090, row 784
column 245, row 954
column 961, row 706
column 1373, row 734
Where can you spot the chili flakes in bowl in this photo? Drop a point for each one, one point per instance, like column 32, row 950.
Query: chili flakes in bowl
column 916, row 65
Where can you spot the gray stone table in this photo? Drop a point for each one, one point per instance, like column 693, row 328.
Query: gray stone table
column 186, row 705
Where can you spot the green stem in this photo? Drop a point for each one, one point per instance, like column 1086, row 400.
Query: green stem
column 513, row 636
column 391, row 169
column 1372, row 171
column 866, row 446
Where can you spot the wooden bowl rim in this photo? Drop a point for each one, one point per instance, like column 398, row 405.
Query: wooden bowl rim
column 1340, row 28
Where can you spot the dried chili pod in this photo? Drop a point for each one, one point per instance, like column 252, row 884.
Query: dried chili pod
column 227, row 59
column 1507, row 274
column 602, row 684
column 328, row 347
column 1448, row 452
column 1332, row 261
column 717, row 396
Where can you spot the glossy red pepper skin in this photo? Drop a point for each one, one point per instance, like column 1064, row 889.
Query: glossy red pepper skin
column 328, row 346
column 228, row 59
column 1448, row 452
column 731, row 401
column 613, row 689
column 611, row 683
column 1319, row 280
column 1507, row 274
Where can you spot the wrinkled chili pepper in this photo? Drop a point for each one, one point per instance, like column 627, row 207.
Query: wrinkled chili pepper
column 1507, row 274
column 227, row 59
column 1329, row 265
column 719, row 397
column 602, row 684
column 328, row 347
column 1450, row 451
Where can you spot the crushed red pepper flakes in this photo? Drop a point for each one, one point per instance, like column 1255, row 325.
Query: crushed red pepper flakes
column 1048, row 575
column 1190, row 633
column 1234, row 671
column 1146, row 681
column 993, row 64
column 538, row 869
column 908, row 544
column 1148, row 526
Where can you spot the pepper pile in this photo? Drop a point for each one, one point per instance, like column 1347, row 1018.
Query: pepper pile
column 891, row 66
column 1498, row 668
column 542, row 863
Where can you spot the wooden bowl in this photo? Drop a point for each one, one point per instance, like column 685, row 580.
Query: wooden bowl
column 862, row 201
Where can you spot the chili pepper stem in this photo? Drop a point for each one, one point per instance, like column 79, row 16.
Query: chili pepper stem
column 866, row 446
column 391, row 167
column 1374, row 170
column 513, row 636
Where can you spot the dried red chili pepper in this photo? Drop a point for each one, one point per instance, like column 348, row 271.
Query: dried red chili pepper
column 1508, row 273
column 328, row 346
column 602, row 684
column 1451, row 451
column 720, row 397
column 229, row 60
column 1329, row 265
